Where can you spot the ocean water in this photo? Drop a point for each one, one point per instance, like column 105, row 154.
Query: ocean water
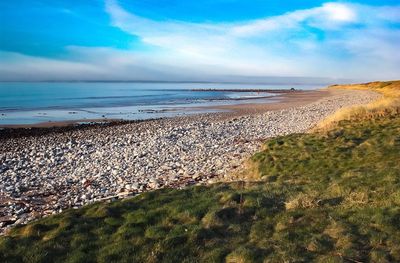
column 29, row 103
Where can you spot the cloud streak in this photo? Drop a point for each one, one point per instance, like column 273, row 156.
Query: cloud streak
column 335, row 40
column 302, row 42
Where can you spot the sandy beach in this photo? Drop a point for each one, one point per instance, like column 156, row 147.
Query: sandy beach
column 44, row 171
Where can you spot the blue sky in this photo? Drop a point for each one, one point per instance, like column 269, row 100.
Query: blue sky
column 186, row 39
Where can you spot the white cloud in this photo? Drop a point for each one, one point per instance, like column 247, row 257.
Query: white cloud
column 326, row 16
column 338, row 40
column 288, row 44
column 15, row 66
column 88, row 64
column 339, row 12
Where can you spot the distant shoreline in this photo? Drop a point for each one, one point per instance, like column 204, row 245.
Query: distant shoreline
column 284, row 100
column 129, row 105
column 251, row 90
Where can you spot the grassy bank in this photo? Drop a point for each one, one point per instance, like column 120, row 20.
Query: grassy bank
column 389, row 104
column 323, row 197
column 334, row 196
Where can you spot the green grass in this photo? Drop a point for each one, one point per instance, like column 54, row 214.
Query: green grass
column 331, row 197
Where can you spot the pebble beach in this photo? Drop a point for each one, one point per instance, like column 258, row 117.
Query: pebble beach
column 44, row 175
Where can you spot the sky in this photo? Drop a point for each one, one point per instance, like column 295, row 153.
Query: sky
column 204, row 40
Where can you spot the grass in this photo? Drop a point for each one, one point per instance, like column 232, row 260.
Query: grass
column 389, row 104
column 321, row 197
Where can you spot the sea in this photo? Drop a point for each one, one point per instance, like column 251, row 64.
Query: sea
column 41, row 102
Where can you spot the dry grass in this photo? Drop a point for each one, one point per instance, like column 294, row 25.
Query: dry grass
column 388, row 105
column 303, row 201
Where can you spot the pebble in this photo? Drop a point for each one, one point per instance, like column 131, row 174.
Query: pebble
column 42, row 175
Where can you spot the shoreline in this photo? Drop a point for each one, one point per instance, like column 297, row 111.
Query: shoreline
column 279, row 91
column 48, row 173
column 75, row 115
column 294, row 98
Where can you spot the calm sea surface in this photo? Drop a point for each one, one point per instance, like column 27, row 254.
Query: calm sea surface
column 29, row 103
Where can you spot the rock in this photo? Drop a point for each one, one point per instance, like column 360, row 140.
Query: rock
column 196, row 176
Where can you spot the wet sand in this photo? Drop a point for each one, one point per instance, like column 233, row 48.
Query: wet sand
column 283, row 101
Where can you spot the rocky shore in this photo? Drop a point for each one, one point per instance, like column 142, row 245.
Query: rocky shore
column 42, row 175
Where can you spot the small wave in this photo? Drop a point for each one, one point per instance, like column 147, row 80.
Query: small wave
column 113, row 97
